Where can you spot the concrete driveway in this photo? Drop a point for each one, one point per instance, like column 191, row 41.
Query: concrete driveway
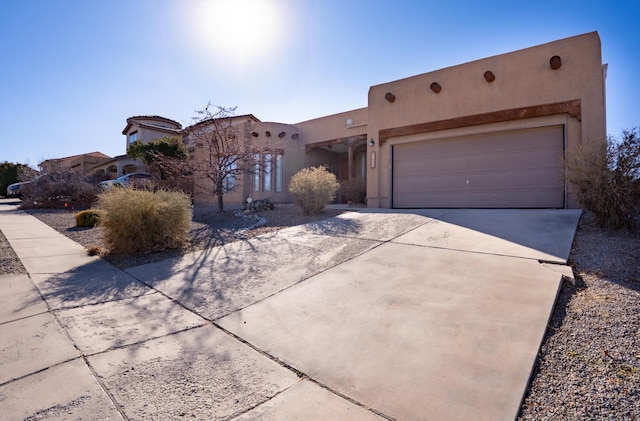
column 375, row 314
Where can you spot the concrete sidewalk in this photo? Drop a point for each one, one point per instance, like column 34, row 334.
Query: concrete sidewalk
column 372, row 315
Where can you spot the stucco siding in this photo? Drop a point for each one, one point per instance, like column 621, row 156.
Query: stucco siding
column 334, row 126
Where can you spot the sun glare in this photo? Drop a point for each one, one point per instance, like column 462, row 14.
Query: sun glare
column 238, row 32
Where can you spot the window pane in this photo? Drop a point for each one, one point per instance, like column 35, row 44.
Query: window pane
column 256, row 173
column 133, row 137
column 279, row 173
column 267, row 172
column 229, row 182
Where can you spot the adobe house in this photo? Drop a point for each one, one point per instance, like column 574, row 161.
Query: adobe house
column 139, row 128
column 492, row 133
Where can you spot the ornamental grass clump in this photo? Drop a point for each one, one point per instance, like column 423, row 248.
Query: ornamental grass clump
column 312, row 188
column 138, row 221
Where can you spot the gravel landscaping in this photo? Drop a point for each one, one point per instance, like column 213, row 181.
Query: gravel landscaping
column 589, row 364
column 209, row 228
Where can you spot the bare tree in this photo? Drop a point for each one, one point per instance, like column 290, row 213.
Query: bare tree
column 222, row 151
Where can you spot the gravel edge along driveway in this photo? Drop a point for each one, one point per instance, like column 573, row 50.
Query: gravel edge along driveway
column 589, row 364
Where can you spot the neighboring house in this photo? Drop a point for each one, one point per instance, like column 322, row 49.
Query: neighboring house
column 146, row 128
column 141, row 129
column 118, row 166
column 81, row 163
column 493, row 133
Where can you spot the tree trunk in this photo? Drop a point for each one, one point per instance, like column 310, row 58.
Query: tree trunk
column 220, row 203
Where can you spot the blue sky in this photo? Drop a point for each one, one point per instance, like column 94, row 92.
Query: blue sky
column 74, row 70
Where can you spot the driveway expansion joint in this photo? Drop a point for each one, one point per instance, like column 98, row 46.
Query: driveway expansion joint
column 302, row 376
column 33, row 373
column 24, row 318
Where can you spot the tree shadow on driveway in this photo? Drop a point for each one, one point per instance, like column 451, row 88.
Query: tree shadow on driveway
column 219, row 280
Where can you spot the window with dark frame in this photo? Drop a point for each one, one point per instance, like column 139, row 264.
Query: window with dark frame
column 268, row 172
column 133, row 136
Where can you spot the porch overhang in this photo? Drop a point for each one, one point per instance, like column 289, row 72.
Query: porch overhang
column 336, row 145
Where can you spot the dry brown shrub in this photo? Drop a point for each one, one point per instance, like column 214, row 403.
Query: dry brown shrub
column 138, row 221
column 354, row 190
column 312, row 188
column 607, row 180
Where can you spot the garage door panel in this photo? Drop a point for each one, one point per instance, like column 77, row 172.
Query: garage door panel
column 509, row 170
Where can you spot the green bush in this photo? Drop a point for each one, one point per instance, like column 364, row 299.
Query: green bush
column 312, row 188
column 88, row 218
column 138, row 221
column 354, row 190
column 607, row 180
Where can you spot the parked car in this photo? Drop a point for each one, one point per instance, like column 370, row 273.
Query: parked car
column 15, row 189
column 128, row 180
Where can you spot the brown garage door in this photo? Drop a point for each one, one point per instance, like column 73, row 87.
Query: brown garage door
column 518, row 169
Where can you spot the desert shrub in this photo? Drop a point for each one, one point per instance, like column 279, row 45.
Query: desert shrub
column 88, row 218
column 607, row 180
column 60, row 184
column 354, row 190
column 312, row 188
column 138, row 221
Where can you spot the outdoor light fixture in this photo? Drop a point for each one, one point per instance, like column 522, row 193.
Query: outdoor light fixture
column 372, row 142
column 435, row 87
column 390, row 97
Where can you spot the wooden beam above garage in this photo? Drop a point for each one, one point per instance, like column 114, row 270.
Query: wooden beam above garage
column 573, row 108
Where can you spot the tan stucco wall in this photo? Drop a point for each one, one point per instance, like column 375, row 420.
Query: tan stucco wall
column 522, row 79
column 334, row 126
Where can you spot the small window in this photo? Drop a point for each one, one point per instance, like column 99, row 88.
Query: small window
column 267, row 172
column 133, row 136
column 229, row 181
column 256, row 173
column 279, row 173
